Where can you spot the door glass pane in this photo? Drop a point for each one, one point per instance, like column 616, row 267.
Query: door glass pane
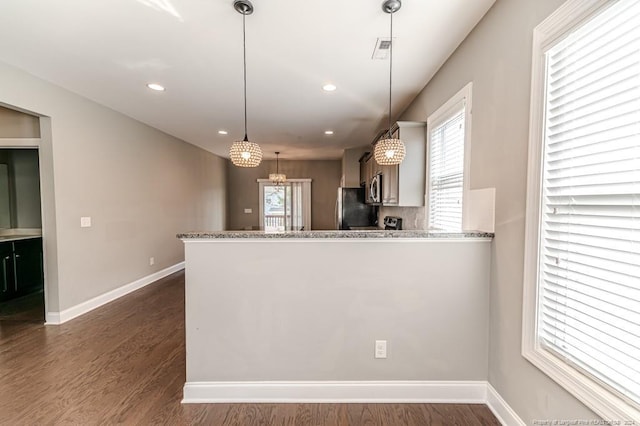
column 275, row 205
column 284, row 208
column 288, row 204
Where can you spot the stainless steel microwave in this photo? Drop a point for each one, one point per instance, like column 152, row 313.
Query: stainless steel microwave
column 375, row 189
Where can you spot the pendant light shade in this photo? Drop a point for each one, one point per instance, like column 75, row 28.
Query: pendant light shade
column 390, row 151
column 277, row 177
column 245, row 153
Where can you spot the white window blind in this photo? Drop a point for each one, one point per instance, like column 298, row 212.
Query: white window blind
column 446, row 172
column 589, row 248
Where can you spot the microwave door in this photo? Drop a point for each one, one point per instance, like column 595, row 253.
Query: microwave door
column 375, row 188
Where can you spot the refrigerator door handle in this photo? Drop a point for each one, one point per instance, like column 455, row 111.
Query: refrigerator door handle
column 339, row 210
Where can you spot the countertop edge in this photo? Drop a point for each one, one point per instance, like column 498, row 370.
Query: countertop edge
column 334, row 235
column 17, row 234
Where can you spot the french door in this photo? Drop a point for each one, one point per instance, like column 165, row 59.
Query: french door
column 286, row 206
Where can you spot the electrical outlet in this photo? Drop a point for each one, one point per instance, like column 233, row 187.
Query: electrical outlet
column 381, row 349
column 152, row 261
column 85, row 222
column 248, row 211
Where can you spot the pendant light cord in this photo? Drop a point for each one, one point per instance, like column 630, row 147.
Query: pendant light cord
column 390, row 70
column 244, row 50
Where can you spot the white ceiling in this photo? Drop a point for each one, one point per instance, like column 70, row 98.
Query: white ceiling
column 108, row 50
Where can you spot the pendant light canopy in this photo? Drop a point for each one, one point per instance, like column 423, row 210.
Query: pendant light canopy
column 245, row 153
column 390, row 151
column 277, row 177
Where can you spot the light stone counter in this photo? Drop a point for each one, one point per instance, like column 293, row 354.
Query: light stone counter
column 15, row 234
column 374, row 234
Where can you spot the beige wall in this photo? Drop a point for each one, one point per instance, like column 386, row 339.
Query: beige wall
column 139, row 185
column 15, row 124
column 351, row 166
column 243, row 190
column 496, row 56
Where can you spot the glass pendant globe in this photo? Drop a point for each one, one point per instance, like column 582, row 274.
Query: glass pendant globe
column 245, row 154
column 389, row 152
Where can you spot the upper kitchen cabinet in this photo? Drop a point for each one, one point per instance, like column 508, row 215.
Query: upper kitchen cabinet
column 404, row 184
column 19, row 189
column 369, row 169
column 363, row 168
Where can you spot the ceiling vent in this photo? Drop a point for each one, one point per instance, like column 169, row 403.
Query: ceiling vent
column 381, row 51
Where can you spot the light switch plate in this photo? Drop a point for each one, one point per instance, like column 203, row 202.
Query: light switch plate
column 85, row 222
column 248, row 210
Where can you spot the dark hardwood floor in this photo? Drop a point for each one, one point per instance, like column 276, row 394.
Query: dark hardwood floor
column 28, row 308
column 124, row 364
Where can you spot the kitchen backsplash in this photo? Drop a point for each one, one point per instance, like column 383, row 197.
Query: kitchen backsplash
column 412, row 217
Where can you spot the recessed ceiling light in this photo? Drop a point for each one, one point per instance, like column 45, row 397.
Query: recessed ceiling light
column 156, row 87
column 329, row 87
column 328, row 132
column 223, row 132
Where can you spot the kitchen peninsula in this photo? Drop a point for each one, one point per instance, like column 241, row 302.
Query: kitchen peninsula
column 295, row 316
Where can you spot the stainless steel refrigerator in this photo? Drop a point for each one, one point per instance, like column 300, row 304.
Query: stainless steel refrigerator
column 352, row 212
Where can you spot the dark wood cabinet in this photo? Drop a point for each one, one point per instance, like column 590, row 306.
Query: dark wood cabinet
column 363, row 169
column 20, row 268
column 28, row 265
column 368, row 169
column 8, row 286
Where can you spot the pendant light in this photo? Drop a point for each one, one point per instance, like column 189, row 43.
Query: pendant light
column 244, row 153
column 277, row 177
column 390, row 151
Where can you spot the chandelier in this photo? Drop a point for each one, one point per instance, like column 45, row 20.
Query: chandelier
column 277, row 177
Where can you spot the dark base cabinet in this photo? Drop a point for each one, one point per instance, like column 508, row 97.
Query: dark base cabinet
column 21, row 270
column 8, row 287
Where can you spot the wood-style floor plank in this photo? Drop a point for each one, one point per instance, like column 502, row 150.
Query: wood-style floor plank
column 124, row 363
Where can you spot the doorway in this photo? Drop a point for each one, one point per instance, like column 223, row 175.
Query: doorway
column 285, row 206
column 22, row 296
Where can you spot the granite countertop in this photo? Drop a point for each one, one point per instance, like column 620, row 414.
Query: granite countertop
column 14, row 234
column 373, row 234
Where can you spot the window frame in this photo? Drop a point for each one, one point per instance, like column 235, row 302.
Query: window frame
column 442, row 114
column 588, row 390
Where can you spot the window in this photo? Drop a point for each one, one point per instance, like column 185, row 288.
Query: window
column 582, row 262
column 450, row 127
column 285, row 207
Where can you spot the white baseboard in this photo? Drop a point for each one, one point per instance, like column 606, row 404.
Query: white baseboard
column 503, row 412
column 460, row 392
column 335, row 392
column 56, row 318
column 53, row 318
